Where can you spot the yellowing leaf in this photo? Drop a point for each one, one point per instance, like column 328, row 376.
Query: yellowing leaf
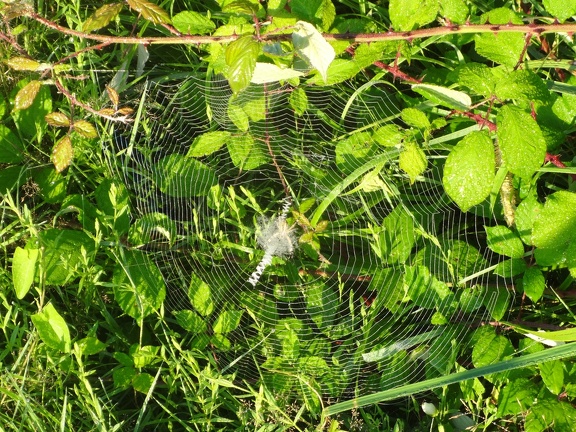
column 26, row 95
column 85, row 128
column 23, row 64
column 113, row 95
column 412, row 160
column 312, row 47
column 102, row 17
column 62, row 154
column 150, row 11
column 57, row 119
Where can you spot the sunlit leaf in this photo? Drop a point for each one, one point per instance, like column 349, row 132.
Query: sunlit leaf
column 150, row 11
column 57, row 119
column 312, row 47
column 62, row 154
column 85, row 128
column 52, row 328
column 23, row 64
column 26, row 95
column 444, row 96
column 412, row 160
column 113, row 95
column 193, row 23
column 241, row 60
column 23, row 270
column 269, row 72
column 102, row 17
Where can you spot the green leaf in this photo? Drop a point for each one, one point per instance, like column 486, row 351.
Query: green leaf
column 533, row 283
column 477, row 77
column 312, row 47
column 454, row 10
column 90, row 345
column 241, row 58
column 560, row 9
column 180, row 176
column 23, row 270
column 227, row 321
column 504, row 241
column 192, row 23
column 30, row 122
column 398, row 237
column 152, row 227
column 510, row 268
column 526, row 212
column 503, row 48
column 138, row 285
column 469, row 170
column 269, row 72
column 516, row 397
column 62, row 154
column 520, row 140
column 245, row 7
column 200, row 296
column 62, row 253
column 85, row 128
column 524, row 85
column 388, row 135
column 23, row 64
column 552, row 374
column 339, row 70
column 52, row 328
column 490, row 348
column 246, row 153
column 353, row 151
column 412, row 160
column 102, row 17
column 11, row 148
column 318, row 12
column 416, row 118
column 208, row 143
column 190, row 321
column 407, row 15
column 26, row 95
column 142, row 382
column 298, row 101
column 320, row 300
column 554, row 232
column 113, row 201
column 444, row 96
column 497, row 301
column 150, row 11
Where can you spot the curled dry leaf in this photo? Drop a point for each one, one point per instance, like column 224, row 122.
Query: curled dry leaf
column 113, row 96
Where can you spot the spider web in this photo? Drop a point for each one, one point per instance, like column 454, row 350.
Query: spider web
column 387, row 279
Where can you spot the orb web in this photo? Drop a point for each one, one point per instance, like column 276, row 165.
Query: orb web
column 373, row 280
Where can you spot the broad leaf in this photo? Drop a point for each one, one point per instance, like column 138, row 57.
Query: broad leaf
column 523, row 84
column 241, row 58
column 193, row 23
column 533, row 283
column 200, row 296
column 504, row 241
column 410, row 14
column 268, row 72
column 412, row 160
column 520, row 140
column 208, row 143
column 179, row 176
column 560, row 9
column 503, row 48
column 318, row 12
column 398, row 237
column 57, row 119
column 469, row 170
column 85, row 128
column 477, row 77
column 11, row 148
column 312, row 47
column 52, row 328
column 227, row 321
column 138, row 285
column 23, row 270
column 23, row 64
column 102, row 17
column 247, row 153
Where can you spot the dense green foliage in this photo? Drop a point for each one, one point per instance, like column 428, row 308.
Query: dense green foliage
column 482, row 120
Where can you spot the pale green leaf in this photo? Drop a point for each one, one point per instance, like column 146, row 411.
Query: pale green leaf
column 193, row 23
column 415, row 117
column 312, row 47
column 269, row 72
column 444, row 96
column 560, row 9
column 454, row 10
column 412, row 160
column 241, row 60
column 469, row 170
column 388, row 135
column 23, row 64
column 200, row 296
column 523, row 84
column 410, row 14
column 23, row 270
column 246, row 153
column 477, row 77
column 552, row 374
column 227, row 321
column 503, row 48
column 62, row 154
column 52, row 328
column 520, row 140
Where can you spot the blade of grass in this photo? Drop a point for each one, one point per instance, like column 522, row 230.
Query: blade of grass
column 554, row 353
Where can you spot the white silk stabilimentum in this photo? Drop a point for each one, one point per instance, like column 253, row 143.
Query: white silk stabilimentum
column 276, row 238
